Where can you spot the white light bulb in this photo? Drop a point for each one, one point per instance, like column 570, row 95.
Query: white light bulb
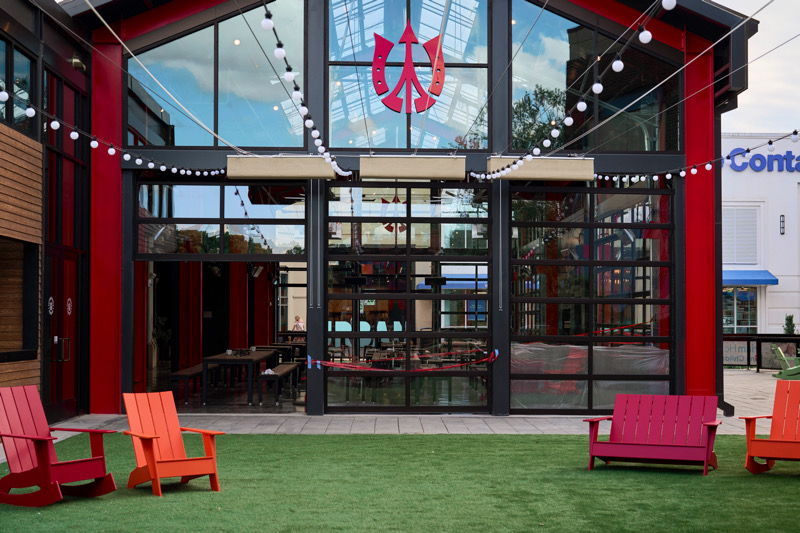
column 694, row 170
column 320, row 149
column 771, row 146
column 174, row 170
column 635, row 179
column 30, row 112
column 483, row 176
column 280, row 52
column 205, row 173
column 520, row 162
column 267, row 24
column 288, row 76
column 74, row 135
column 222, row 171
column 709, row 166
column 669, row 4
column 645, row 36
column 683, row 173
column 303, row 110
column 309, row 123
column 183, row 172
column 597, row 88
column 315, row 134
column 546, row 143
column 615, row 178
column 3, row 96
column 581, row 106
column 126, row 157
column 668, row 176
column 325, row 154
column 624, row 179
column 318, row 142
column 162, row 168
column 537, row 151
column 297, row 95
column 794, row 136
column 555, row 133
column 655, row 178
column 111, row 150
column 514, row 166
column 151, row 165
column 94, row 144
column 568, row 121
column 327, row 159
column 606, row 178
column 617, row 65
column 55, row 125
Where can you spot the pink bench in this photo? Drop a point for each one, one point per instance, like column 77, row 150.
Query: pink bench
column 658, row 429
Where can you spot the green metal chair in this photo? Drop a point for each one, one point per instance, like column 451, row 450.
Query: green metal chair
column 790, row 365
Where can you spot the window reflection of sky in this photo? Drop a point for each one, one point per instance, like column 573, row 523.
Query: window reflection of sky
column 543, row 58
column 294, row 208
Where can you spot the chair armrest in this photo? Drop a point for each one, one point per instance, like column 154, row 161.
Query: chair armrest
column 84, row 430
column 140, row 435
column 203, row 431
column 754, row 417
column 714, row 423
column 28, row 437
column 599, row 419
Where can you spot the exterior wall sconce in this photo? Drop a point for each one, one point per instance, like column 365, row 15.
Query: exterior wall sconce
column 783, row 224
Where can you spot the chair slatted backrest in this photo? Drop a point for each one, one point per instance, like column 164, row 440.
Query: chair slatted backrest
column 21, row 413
column 661, row 419
column 154, row 413
column 786, row 411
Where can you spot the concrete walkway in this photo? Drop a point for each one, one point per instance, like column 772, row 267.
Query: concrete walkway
column 749, row 392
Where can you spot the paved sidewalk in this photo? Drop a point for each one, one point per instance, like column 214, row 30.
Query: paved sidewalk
column 749, row 392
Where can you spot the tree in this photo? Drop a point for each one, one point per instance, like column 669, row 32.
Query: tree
column 533, row 117
column 788, row 327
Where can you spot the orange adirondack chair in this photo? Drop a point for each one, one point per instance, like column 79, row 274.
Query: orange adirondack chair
column 32, row 458
column 784, row 437
column 158, row 443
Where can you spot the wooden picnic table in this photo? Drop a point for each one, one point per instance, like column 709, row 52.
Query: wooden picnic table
column 249, row 360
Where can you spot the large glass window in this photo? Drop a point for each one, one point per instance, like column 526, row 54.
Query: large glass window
column 235, row 219
column 359, row 116
column 244, row 100
column 590, row 295
column 555, row 68
column 739, row 310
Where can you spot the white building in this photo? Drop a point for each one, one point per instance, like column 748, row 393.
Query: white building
column 760, row 232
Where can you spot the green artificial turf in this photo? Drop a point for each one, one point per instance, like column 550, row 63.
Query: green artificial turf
column 426, row 483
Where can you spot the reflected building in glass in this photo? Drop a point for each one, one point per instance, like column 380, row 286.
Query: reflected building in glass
column 420, row 290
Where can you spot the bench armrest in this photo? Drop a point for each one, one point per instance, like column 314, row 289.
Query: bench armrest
column 714, row 423
column 754, row 417
column 140, row 435
column 599, row 419
column 28, row 437
column 203, row 431
column 83, row 430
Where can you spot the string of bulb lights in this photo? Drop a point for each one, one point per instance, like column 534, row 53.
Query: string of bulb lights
column 645, row 36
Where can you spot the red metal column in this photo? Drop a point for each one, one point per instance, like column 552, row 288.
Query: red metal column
column 699, row 292
column 105, row 250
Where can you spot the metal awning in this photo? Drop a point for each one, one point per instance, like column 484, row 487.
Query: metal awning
column 546, row 168
column 748, row 277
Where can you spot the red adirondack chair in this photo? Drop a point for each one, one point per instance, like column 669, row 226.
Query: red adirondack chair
column 158, row 443
column 658, row 429
column 784, row 437
column 32, row 459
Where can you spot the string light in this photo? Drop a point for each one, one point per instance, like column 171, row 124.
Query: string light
column 644, row 35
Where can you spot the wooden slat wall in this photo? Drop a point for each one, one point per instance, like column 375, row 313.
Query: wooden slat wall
column 21, row 207
column 21, row 186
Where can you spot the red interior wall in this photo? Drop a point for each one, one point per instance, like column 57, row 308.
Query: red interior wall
column 238, row 311
column 190, row 351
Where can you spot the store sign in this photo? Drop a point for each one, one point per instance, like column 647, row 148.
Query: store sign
column 408, row 77
column 772, row 162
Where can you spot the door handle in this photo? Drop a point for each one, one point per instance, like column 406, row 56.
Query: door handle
column 69, row 350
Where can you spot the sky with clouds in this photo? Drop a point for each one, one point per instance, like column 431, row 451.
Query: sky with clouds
column 770, row 103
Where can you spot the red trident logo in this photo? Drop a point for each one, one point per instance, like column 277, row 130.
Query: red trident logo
column 409, row 76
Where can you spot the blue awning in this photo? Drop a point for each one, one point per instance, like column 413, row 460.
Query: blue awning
column 748, row 277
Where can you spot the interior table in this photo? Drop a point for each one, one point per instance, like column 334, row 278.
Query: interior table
column 251, row 360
